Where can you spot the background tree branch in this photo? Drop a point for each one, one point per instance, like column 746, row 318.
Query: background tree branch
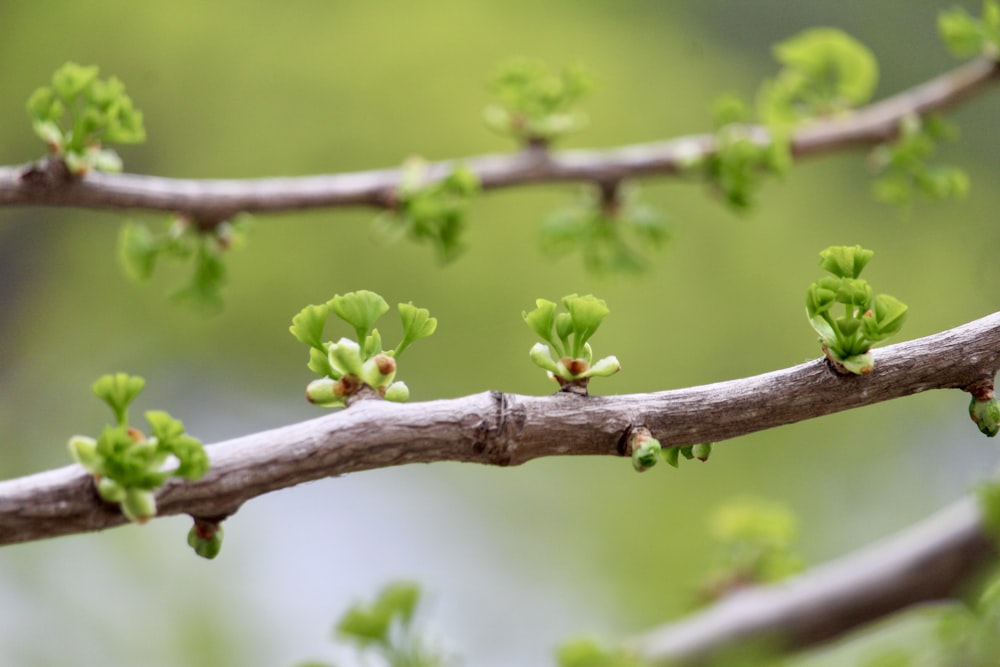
column 212, row 201
column 932, row 560
column 507, row 429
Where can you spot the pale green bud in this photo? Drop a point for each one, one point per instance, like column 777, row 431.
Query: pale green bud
column 397, row 392
column 603, row 368
column 139, row 505
column 84, row 451
column 379, row 370
column 110, row 490
column 345, row 356
column 986, row 414
column 541, row 355
column 326, row 393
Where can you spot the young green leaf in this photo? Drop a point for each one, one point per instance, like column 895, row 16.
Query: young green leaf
column 417, row 324
column 845, row 261
column 541, row 320
column 118, row 391
column 586, row 313
column 307, row 325
column 359, row 309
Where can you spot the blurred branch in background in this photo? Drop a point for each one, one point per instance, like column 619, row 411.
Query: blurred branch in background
column 213, row 201
column 935, row 559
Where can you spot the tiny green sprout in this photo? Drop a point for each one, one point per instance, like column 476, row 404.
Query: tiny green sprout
column 79, row 113
column 204, row 246
column 537, row 105
column 430, row 207
column 967, row 36
column 566, row 356
column 984, row 408
column 862, row 320
column 672, row 455
column 347, row 366
column 645, row 450
column 128, row 466
column 205, row 537
column 613, row 234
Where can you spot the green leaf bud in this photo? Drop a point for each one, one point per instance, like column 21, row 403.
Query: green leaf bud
column 671, row 455
column 986, row 415
column 118, row 391
column 326, row 393
column 319, row 363
column 84, row 451
column 139, row 505
column 397, row 392
column 378, row 371
column 104, row 159
column 541, row 355
column 603, row 368
column 206, row 539
column 702, row 451
column 859, row 364
column 885, row 318
column 845, row 261
column 110, row 490
column 345, row 357
column 50, row 133
column 645, row 452
column 687, row 452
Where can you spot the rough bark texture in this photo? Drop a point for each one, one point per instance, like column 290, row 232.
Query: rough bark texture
column 507, row 429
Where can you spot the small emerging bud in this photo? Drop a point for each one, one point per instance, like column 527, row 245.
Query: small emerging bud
column 671, row 455
column 645, row 450
column 139, row 505
column 84, row 451
column 541, row 355
column 702, row 451
column 110, row 490
column 397, row 392
column 205, row 538
column 986, row 415
column 605, row 367
column 325, row 392
column 345, row 356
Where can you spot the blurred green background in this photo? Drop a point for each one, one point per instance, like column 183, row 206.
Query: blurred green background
column 515, row 560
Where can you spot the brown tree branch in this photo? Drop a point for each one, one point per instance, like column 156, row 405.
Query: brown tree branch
column 932, row 560
column 507, row 429
column 211, row 201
